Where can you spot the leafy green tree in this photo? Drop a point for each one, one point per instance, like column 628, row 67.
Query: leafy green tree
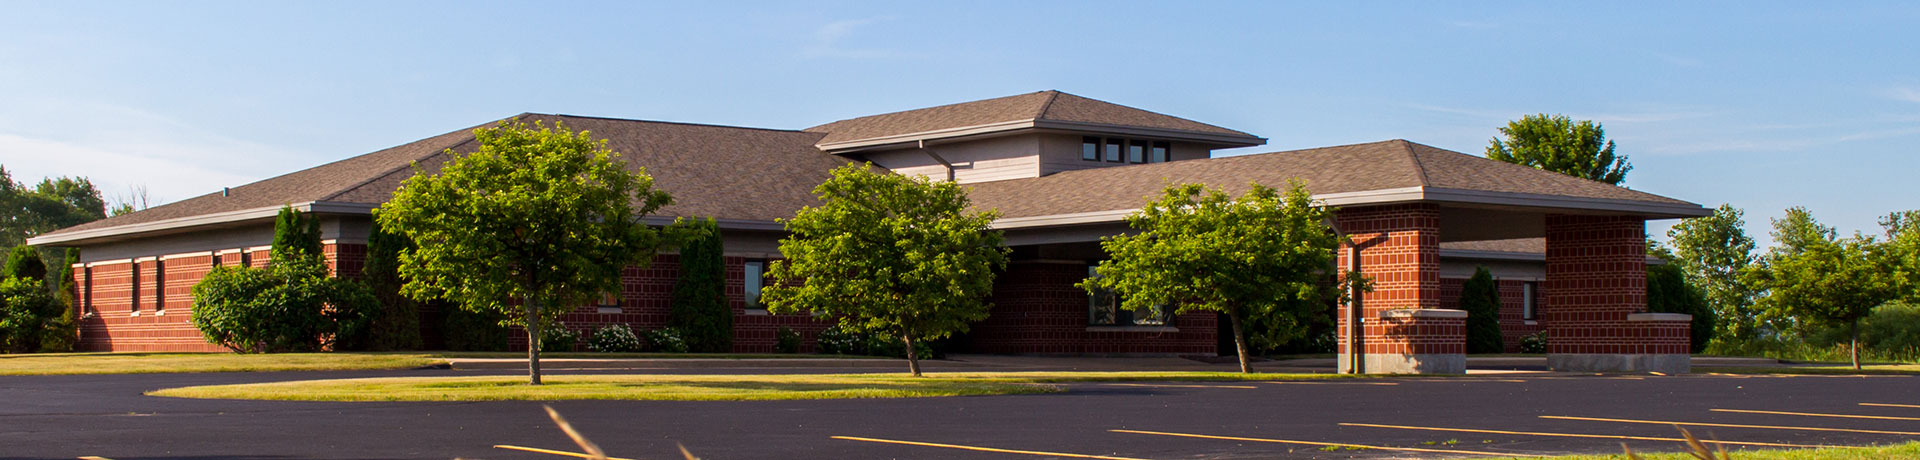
column 27, row 314
column 1480, row 297
column 1814, row 279
column 1199, row 249
column 295, row 234
column 396, row 323
column 289, row 306
column 888, row 254
column 700, row 309
column 52, row 204
column 536, row 220
column 1711, row 252
column 1556, row 143
column 1903, row 250
column 1669, row 292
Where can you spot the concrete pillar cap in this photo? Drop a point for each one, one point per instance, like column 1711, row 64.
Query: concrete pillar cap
column 1424, row 313
column 1659, row 317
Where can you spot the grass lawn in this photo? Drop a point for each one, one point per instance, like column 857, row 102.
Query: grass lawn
column 148, row 363
column 1817, row 369
column 1904, row 450
column 690, row 387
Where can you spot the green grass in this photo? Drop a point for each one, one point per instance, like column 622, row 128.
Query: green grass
column 689, row 387
column 147, row 363
column 1904, row 450
column 1818, row 369
column 151, row 363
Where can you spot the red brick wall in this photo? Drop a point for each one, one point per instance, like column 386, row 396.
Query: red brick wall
column 1037, row 309
column 1513, row 326
column 165, row 298
column 345, row 259
column 1400, row 250
column 646, row 300
column 1596, row 276
column 1419, row 336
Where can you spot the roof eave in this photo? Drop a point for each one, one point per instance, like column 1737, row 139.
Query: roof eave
column 108, row 234
column 1649, row 209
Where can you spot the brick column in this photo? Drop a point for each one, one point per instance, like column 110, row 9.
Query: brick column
column 1399, row 249
column 1596, row 292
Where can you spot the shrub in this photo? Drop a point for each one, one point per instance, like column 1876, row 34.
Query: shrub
column 614, row 338
column 26, row 312
column 1480, row 297
column 557, row 338
column 467, row 330
column 1535, row 343
column 892, row 347
column 666, row 340
column 395, row 324
column 289, row 306
column 24, row 262
column 700, row 310
column 1669, row 292
column 837, row 341
column 786, row 340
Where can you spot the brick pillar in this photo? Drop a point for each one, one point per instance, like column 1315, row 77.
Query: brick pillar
column 1596, row 296
column 1399, row 249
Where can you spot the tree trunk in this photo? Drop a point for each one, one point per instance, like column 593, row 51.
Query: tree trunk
column 913, row 359
column 533, row 341
column 1853, row 330
column 1240, row 341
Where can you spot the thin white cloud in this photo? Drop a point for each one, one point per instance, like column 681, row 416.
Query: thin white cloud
column 115, row 169
column 120, row 147
column 830, row 41
column 1904, row 93
column 1680, row 61
column 1625, row 117
column 1477, row 25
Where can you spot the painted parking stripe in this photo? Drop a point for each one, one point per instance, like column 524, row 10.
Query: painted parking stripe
column 1811, row 414
column 1579, row 435
column 1323, row 444
column 1908, row 406
column 1729, row 425
column 980, row 449
column 1160, row 385
column 90, row 457
column 551, row 452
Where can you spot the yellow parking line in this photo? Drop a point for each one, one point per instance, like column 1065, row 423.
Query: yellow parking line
column 1909, row 406
column 1313, row 443
column 981, row 449
column 1728, row 425
column 1328, row 383
column 90, row 457
column 1156, row 385
column 1810, row 414
column 1576, row 435
column 551, row 451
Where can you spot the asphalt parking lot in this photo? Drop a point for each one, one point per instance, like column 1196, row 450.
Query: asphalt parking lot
column 1475, row 416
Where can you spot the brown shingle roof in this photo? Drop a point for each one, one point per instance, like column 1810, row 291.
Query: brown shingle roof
column 1384, row 165
column 1043, row 105
column 719, row 171
column 1515, row 246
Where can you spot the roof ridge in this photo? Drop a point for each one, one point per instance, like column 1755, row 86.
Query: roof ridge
column 682, row 123
column 1052, row 95
column 1418, row 166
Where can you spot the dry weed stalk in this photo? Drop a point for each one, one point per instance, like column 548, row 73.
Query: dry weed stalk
column 593, row 450
column 1696, row 448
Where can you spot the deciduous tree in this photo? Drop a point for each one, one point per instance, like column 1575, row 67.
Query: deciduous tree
column 1815, row 279
column 537, row 220
column 1556, row 143
column 888, row 254
column 1711, row 251
column 1199, row 249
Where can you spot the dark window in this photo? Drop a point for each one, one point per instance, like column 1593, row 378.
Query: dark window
column 1136, row 151
column 1529, row 295
column 86, row 298
column 159, row 285
column 755, row 278
column 246, row 258
column 1113, row 150
column 1090, row 148
column 135, row 273
column 1159, row 152
column 1103, row 309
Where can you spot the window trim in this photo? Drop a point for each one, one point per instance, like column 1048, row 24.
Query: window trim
column 1113, row 150
column 751, row 297
column 1136, row 151
column 1529, row 305
column 1163, row 148
column 1089, row 148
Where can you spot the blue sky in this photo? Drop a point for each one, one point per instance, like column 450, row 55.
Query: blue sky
column 1762, row 105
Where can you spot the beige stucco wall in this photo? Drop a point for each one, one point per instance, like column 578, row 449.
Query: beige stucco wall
column 991, row 159
column 345, row 228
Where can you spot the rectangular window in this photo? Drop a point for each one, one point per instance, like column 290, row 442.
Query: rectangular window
column 1136, row 151
column 609, row 302
column 1528, row 309
column 159, row 285
column 246, row 259
column 755, row 279
column 1103, row 309
column 86, row 297
column 134, row 272
column 1159, row 152
column 1090, row 148
column 1113, row 150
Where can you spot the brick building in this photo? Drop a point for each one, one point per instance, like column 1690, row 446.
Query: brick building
column 1062, row 169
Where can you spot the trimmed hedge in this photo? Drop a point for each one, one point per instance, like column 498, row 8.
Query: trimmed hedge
column 1480, row 297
